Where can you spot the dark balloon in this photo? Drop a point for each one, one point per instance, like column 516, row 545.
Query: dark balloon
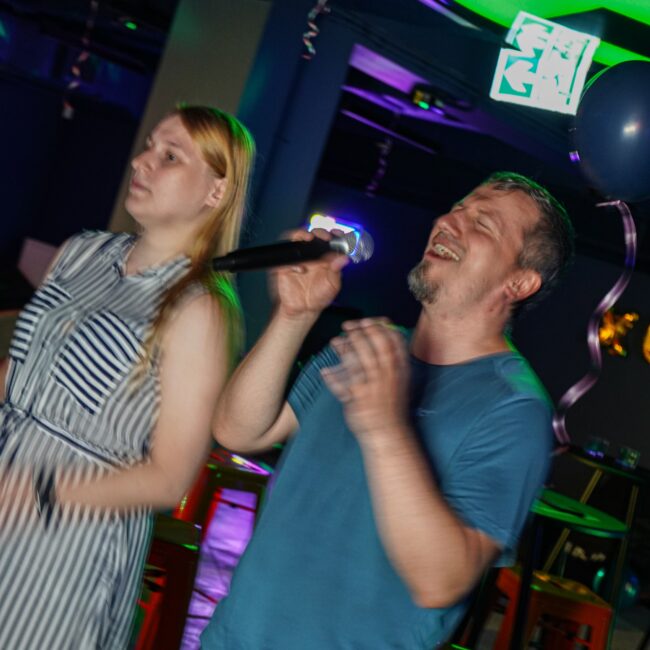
column 613, row 131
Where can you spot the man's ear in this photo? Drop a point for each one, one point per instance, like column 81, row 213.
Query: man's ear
column 523, row 284
column 216, row 192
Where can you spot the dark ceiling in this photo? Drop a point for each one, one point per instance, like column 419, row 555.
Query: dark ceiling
column 66, row 21
column 378, row 131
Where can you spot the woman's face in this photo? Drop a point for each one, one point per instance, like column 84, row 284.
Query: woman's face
column 171, row 184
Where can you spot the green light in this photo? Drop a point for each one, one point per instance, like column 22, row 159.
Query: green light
column 129, row 24
column 503, row 13
column 424, row 105
column 4, row 36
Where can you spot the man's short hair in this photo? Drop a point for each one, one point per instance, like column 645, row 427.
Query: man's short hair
column 549, row 244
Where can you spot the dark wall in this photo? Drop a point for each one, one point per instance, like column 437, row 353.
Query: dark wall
column 59, row 175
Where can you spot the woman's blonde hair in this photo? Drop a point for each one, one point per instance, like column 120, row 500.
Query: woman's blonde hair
column 228, row 148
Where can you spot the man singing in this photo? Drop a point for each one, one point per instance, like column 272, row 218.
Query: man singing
column 412, row 461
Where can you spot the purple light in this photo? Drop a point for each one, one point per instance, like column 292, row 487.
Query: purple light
column 408, row 109
column 384, row 69
column 574, row 156
column 441, row 6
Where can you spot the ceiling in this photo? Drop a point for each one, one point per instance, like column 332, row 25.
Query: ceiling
column 131, row 33
column 380, row 140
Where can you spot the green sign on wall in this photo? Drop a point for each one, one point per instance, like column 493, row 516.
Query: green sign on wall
column 546, row 67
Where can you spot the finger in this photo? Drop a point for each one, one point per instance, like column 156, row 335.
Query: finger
column 322, row 233
column 348, row 361
column 364, row 351
column 337, row 261
column 335, row 381
column 379, row 348
column 349, row 325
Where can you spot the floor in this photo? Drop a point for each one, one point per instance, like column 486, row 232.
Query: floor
column 226, row 540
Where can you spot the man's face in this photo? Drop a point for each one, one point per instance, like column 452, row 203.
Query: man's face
column 472, row 252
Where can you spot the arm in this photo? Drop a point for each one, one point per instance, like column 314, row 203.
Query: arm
column 193, row 371
column 436, row 554
column 251, row 414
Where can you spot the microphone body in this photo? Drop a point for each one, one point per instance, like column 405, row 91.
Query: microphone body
column 294, row 252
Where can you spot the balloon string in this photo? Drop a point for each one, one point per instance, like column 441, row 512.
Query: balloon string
column 596, row 362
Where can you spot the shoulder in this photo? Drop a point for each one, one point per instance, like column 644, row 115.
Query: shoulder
column 198, row 313
column 83, row 246
column 510, row 408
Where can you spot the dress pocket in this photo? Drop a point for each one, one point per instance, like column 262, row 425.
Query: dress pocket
column 97, row 356
column 48, row 297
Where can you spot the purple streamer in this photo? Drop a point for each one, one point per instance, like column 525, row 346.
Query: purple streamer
column 583, row 385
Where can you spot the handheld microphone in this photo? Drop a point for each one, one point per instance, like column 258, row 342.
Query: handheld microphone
column 357, row 246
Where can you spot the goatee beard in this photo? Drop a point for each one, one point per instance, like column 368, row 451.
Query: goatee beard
column 423, row 291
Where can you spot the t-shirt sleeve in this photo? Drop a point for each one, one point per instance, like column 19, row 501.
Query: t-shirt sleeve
column 309, row 382
column 500, row 471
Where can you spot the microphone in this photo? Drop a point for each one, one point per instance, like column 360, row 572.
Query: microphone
column 357, row 246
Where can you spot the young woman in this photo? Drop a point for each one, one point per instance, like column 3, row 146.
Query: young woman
column 110, row 386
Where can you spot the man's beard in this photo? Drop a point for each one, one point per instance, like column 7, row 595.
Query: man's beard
column 423, row 291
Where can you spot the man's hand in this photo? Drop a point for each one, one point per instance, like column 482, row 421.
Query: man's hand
column 372, row 380
column 304, row 290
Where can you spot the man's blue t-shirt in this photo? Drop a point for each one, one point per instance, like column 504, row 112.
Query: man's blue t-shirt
column 315, row 575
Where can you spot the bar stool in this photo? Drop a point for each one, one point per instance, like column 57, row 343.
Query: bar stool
column 169, row 571
column 572, row 514
column 223, row 470
column 173, row 559
column 604, row 466
column 561, row 607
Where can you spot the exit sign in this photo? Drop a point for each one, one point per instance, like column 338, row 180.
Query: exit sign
column 546, row 67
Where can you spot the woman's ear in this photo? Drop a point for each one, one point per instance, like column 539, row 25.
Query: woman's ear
column 216, row 192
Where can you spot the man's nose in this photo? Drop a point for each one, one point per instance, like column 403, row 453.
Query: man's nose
column 452, row 223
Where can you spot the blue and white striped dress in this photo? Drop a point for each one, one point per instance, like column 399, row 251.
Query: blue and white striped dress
column 72, row 583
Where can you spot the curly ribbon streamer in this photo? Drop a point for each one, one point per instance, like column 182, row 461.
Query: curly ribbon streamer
column 84, row 55
column 385, row 148
column 583, row 385
column 313, row 31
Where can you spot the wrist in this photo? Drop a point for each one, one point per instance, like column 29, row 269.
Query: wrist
column 295, row 319
column 387, row 438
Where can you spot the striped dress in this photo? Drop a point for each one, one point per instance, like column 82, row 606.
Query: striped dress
column 71, row 581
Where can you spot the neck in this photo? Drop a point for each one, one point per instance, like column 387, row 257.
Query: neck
column 153, row 249
column 442, row 339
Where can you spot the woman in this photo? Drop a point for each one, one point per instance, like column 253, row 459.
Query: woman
column 110, row 385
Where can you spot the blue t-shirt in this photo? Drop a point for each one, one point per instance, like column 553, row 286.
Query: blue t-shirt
column 315, row 575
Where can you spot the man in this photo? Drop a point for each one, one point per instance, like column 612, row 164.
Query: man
column 414, row 463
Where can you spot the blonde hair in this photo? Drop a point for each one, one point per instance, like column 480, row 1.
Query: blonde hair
column 228, row 148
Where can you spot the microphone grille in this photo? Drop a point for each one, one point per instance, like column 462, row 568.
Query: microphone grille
column 362, row 246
